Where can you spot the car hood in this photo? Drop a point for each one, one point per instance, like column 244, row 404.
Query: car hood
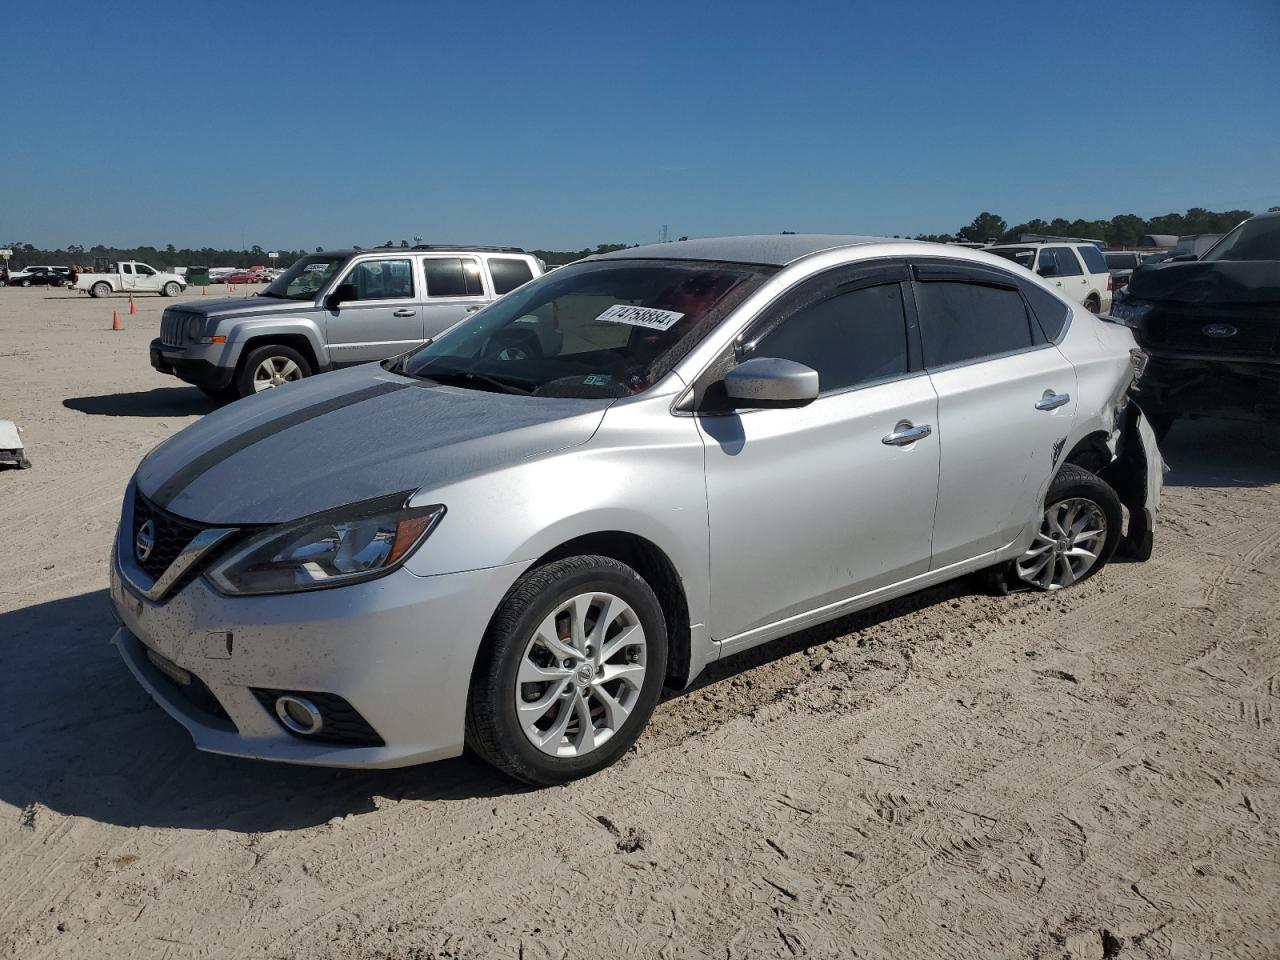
column 245, row 306
column 344, row 437
column 1221, row 281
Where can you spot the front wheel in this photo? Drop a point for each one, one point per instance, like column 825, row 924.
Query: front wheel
column 570, row 671
column 265, row 368
column 171, row 289
column 1078, row 533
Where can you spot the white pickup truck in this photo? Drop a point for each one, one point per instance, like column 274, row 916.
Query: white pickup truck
column 129, row 276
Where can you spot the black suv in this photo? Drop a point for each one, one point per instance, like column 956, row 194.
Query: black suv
column 1211, row 328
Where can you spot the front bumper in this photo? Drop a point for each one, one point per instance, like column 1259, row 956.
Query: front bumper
column 196, row 371
column 1183, row 385
column 399, row 650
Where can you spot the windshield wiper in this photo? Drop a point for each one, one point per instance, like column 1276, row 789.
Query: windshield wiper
column 465, row 377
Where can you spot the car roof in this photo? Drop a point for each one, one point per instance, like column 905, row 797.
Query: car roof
column 420, row 248
column 770, row 250
column 1042, row 243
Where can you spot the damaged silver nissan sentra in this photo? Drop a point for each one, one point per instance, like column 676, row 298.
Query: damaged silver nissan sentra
column 514, row 536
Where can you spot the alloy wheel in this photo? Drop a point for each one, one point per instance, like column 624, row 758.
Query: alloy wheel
column 581, row 674
column 274, row 371
column 1072, row 535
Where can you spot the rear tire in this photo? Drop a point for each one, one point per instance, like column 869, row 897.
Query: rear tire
column 266, row 367
column 1093, row 304
column 100, row 289
column 1078, row 533
column 586, row 637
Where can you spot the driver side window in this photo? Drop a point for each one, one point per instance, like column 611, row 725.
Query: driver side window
column 851, row 338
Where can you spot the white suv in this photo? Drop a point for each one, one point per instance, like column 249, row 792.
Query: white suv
column 1078, row 270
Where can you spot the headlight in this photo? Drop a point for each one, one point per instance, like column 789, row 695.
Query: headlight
column 331, row 549
column 195, row 324
column 1129, row 311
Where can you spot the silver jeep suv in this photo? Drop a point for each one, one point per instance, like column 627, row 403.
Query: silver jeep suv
column 331, row 310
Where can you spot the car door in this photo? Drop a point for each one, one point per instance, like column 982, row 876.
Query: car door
column 813, row 505
column 455, row 290
column 127, row 279
column 384, row 319
column 145, row 278
column 1006, row 398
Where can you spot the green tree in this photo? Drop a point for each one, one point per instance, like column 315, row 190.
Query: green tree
column 985, row 226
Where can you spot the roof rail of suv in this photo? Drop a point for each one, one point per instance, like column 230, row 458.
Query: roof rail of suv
column 456, row 248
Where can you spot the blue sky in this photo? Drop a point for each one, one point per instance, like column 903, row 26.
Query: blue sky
column 561, row 125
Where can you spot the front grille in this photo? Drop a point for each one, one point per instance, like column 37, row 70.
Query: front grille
column 172, row 325
column 1177, row 327
column 172, row 534
column 342, row 722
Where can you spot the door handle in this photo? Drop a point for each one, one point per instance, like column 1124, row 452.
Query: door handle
column 1052, row 401
column 405, row 312
column 905, row 434
column 472, row 309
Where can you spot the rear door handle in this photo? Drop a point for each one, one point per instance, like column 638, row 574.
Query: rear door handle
column 405, row 312
column 905, row 434
column 472, row 309
column 1052, row 401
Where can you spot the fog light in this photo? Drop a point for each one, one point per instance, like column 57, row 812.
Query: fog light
column 299, row 714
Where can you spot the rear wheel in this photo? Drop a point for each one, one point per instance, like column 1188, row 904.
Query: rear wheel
column 570, row 672
column 1078, row 533
column 25, row 283
column 100, row 289
column 1093, row 304
column 273, row 365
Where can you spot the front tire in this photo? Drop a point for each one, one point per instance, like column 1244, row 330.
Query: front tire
column 570, row 671
column 171, row 289
column 269, row 366
column 1078, row 533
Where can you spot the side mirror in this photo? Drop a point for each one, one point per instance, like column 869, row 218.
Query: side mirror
column 343, row 293
column 771, row 382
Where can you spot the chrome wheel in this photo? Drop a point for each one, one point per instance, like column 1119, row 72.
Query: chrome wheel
column 1071, row 538
column 273, row 371
column 581, row 674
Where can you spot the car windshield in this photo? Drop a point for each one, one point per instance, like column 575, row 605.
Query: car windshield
column 1023, row 256
column 1256, row 239
column 596, row 329
column 304, row 279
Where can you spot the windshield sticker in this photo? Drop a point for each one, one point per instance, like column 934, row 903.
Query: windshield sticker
column 649, row 317
column 596, row 380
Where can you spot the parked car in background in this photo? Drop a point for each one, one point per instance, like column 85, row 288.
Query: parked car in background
column 244, row 276
column 1078, row 270
column 1122, row 263
column 1212, row 328
column 333, row 309
column 1195, row 245
column 129, row 276
column 514, row 537
column 40, row 277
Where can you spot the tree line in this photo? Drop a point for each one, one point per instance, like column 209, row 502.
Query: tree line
column 1122, row 231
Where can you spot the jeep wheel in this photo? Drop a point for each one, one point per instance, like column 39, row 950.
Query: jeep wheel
column 270, row 366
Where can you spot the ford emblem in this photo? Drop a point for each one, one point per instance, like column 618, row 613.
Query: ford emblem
column 145, row 541
column 1219, row 330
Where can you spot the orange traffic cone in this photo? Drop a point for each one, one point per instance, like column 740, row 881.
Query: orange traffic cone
column 133, row 307
column 115, row 320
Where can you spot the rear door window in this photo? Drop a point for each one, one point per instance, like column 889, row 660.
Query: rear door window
column 1068, row 265
column 851, row 338
column 508, row 273
column 453, row 277
column 1093, row 258
column 965, row 322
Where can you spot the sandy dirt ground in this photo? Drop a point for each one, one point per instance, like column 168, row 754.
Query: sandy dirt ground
column 1088, row 774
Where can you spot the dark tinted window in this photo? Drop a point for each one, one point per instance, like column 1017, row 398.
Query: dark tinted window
column 381, row 279
column 1093, row 258
column 1122, row 261
column 968, row 321
column 1068, row 265
column 452, row 277
column 1046, row 265
column 850, row 338
column 1049, row 310
column 508, row 274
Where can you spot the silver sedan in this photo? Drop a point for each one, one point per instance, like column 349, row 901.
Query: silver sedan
column 514, row 536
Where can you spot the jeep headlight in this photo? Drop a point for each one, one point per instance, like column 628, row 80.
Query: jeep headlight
column 357, row 542
column 194, row 327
